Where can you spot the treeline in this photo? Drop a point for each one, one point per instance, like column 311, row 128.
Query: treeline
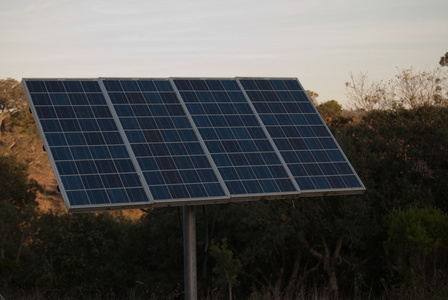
column 391, row 242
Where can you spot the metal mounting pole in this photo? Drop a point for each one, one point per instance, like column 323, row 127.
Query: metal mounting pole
column 190, row 271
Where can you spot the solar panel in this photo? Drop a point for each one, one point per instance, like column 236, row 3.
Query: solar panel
column 87, row 153
column 234, row 137
column 162, row 139
column 126, row 143
column 304, row 141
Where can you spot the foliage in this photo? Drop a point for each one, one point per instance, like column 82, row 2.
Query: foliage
column 444, row 60
column 17, row 218
column 313, row 96
column 401, row 156
column 15, row 185
column 18, row 132
column 276, row 241
column 418, row 242
column 330, row 110
column 227, row 267
column 80, row 254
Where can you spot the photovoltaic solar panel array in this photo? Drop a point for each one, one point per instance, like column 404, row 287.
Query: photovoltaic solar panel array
column 130, row 143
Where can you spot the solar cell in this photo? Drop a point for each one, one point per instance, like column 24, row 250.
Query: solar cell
column 122, row 143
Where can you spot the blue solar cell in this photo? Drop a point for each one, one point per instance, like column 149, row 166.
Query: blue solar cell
column 54, row 86
column 59, row 99
column 100, row 152
column 77, row 198
column 100, row 196
column 236, row 187
column 214, row 85
column 91, row 86
column 130, row 85
column 163, row 85
column 196, row 190
column 135, row 98
column 351, row 181
column 72, row 182
column 116, row 195
column 329, row 169
column 230, row 85
column 160, row 192
column 95, row 99
column 278, row 85
column 147, row 85
column 41, row 99
column 272, row 186
column 78, row 99
column 36, row 86
column 46, row 112
column 73, row 86
column 80, row 153
column 111, row 180
column 154, row 178
column 253, row 187
column 105, row 166
column 113, row 85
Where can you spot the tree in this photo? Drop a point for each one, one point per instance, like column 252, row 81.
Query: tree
column 227, row 267
column 18, row 213
column 365, row 95
column 400, row 155
column 444, row 60
column 330, row 110
column 418, row 243
column 283, row 245
column 15, row 186
column 18, row 132
column 414, row 89
column 12, row 98
column 313, row 96
column 81, row 254
column 408, row 89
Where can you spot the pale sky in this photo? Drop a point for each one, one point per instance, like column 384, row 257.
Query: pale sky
column 319, row 42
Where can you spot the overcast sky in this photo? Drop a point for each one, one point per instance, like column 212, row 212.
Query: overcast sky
column 319, row 42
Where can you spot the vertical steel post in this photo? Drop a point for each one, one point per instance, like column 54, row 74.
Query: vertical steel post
column 190, row 271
